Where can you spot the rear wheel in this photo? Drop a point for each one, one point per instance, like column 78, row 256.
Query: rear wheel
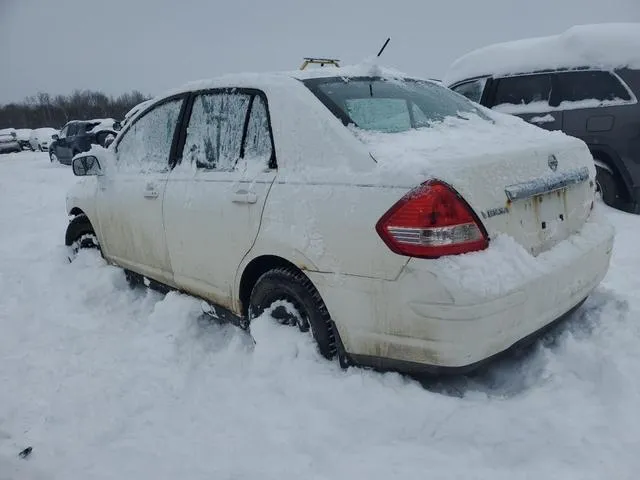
column 293, row 300
column 607, row 186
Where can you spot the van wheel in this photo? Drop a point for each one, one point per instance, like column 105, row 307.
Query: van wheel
column 607, row 185
column 294, row 300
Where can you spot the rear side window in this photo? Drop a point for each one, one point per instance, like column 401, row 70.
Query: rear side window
column 591, row 85
column 388, row 105
column 523, row 90
column 472, row 90
column 227, row 126
column 146, row 145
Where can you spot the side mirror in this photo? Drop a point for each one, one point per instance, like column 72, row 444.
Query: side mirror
column 55, row 136
column 109, row 140
column 85, row 166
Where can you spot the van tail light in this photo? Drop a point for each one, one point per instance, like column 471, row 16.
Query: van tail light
column 432, row 221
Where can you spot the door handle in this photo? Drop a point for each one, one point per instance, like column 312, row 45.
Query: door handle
column 243, row 196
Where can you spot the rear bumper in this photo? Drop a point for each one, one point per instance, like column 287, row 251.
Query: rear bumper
column 452, row 314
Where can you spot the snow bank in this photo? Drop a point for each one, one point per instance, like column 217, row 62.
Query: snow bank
column 610, row 46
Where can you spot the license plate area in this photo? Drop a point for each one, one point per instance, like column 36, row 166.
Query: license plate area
column 551, row 214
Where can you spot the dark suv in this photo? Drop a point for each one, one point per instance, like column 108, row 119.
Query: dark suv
column 594, row 103
column 78, row 136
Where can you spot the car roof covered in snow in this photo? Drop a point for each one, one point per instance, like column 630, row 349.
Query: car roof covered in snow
column 606, row 45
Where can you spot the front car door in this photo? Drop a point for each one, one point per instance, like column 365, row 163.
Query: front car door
column 530, row 97
column 215, row 197
column 130, row 196
column 61, row 146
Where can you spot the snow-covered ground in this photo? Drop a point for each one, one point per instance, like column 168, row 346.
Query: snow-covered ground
column 105, row 382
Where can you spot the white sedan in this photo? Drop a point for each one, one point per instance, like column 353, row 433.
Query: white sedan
column 406, row 227
column 41, row 138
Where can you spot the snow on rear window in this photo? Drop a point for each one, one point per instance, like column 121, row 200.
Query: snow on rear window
column 386, row 105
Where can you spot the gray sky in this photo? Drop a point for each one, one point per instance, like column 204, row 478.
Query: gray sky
column 57, row 46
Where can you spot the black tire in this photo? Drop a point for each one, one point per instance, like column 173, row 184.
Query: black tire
column 80, row 235
column 53, row 157
column 608, row 187
column 290, row 285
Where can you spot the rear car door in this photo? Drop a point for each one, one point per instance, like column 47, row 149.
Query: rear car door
column 530, row 97
column 130, row 196
column 215, row 197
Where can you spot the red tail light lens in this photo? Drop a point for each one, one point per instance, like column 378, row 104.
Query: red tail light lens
column 432, row 221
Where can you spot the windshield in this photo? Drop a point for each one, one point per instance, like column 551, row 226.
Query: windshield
column 389, row 105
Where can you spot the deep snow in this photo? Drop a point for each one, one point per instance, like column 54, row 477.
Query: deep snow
column 106, row 382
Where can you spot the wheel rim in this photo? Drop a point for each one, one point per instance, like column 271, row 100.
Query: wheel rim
column 84, row 242
column 286, row 310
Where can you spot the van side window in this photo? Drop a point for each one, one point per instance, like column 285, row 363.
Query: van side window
column 591, row 85
column 523, row 90
column 472, row 90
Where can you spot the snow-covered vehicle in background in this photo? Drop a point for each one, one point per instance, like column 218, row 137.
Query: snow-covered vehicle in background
column 79, row 135
column 9, row 141
column 585, row 82
column 23, row 135
column 403, row 225
column 41, row 138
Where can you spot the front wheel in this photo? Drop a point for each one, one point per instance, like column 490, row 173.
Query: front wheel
column 53, row 157
column 80, row 235
column 293, row 300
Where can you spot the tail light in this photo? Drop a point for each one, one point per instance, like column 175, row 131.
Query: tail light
column 432, row 221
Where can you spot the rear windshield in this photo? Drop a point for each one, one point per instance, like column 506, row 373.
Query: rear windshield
column 389, row 105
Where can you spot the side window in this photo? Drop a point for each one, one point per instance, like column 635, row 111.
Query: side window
column 146, row 145
column 257, row 143
column 523, row 90
column 73, row 130
column 591, row 85
column 472, row 90
column 63, row 132
column 214, row 134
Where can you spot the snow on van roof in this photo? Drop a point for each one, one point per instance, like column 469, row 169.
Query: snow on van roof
column 606, row 45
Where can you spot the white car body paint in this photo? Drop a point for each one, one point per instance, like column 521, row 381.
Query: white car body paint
column 318, row 210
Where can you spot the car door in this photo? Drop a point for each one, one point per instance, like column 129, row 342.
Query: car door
column 530, row 97
column 61, row 148
column 130, row 196
column 215, row 197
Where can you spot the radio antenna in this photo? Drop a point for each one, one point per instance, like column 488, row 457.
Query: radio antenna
column 384, row 46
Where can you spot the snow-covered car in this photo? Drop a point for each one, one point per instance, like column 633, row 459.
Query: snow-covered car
column 78, row 136
column 584, row 81
column 405, row 226
column 41, row 138
column 137, row 108
column 23, row 135
column 9, row 141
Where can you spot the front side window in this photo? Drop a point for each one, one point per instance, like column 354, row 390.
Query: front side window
column 214, row 133
column 389, row 105
column 523, row 90
column 146, row 145
column 63, row 132
column 591, row 85
column 472, row 90
column 73, row 130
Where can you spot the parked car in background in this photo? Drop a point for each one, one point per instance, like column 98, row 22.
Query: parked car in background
column 340, row 201
column 78, row 136
column 585, row 82
column 9, row 141
column 23, row 135
column 41, row 138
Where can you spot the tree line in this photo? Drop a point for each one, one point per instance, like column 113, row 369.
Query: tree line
column 45, row 110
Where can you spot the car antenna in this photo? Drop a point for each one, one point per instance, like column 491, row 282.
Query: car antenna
column 384, row 46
